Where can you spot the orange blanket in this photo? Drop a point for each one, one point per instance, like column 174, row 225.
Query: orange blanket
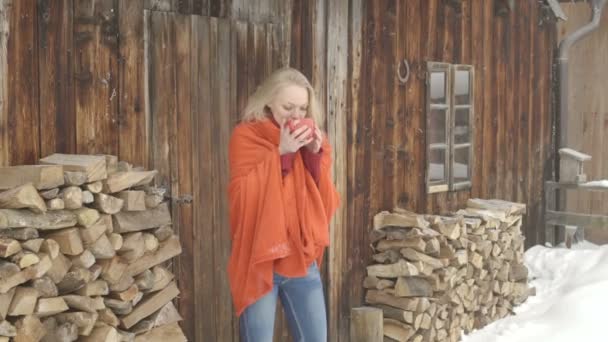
column 273, row 217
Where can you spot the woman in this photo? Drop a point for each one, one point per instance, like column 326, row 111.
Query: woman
column 281, row 201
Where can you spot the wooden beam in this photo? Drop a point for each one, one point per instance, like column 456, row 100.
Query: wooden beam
column 150, row 305
column 575, row 219
column 93, row 166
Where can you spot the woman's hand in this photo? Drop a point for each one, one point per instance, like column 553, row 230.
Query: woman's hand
column 292, row 142
column 315, row 145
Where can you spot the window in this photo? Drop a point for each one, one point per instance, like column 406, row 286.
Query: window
column 449, row 122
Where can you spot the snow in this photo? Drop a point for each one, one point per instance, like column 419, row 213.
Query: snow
column 570, row 303
column 599, row 183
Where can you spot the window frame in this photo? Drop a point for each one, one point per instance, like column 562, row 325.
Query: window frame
column 448, row 183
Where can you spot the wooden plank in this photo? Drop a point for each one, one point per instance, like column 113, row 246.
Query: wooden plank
column 23, row 92
column 489, row 140
column 55, row 64
column 220, row 136
column 201, row 108
column 133, row 122
column 96, row 74
column 337, row 63
column 576, row 219
column 366, row 325
column 182, row 218
column 162, row 103
column 477, row 43
column 5, row 15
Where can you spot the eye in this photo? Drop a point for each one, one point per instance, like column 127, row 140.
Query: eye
column 304, row 109
column 288, row 107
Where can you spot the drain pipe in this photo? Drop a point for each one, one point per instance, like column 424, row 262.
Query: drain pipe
column 597, row 7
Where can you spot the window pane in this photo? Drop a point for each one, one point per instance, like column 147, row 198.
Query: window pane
column 437, row 129
column 462, row 132
column 461, row 87
column 438, row 87
column 437, row 170
column 461, row 164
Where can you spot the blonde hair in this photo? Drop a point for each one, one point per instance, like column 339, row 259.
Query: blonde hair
column 255, row 109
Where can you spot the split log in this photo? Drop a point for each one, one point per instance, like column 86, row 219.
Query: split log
column 72, row 197
column 385, row 219
column 169, row 332
column 145, row 280
column 102, row 248
column 131, row 221
column 153, row 200
column 56, row 219
column 398, row 269
column 5, row 302
column 8, row 269
column 371, row 282
column 116, row 240
column 416, row 243
column 150, row 242
column 397, row 314
column 111, row 164
column 24, row 301
column 59, row 268
column 413, row 287
column 87, row 197
column 83, row 303
column 94, row 187
column 168, row 249
column 69, row 241
column 86, row 216
column 23, row 197
column 118, row 306
column 126, row 295
column 41, row 176
column 398, row 330
column 162, row 278
column 9, row 247
column 74, row 280
column 85, row 259
column 102, row 333
column 123, row 284
column 108, row 317
column 21, row 234
column 108, row 204
column 25, row 259
column 45, row 286
column 151, row 304
column 133, row 200
column 50, row 247
column 32, row 245
column 66, row 332
column 49, row 194
column 25, row 275
column 113, row 269
column 415, row 304
column 7, row 329
column 412, row 255
column 133, row 246
column 366, row 325
column 163, row 233
column 85, row 321
column 29, row 329
column 93, row 166
column 50, row 306
column 94, row 288
column 74, row 178
column 389, row 256
column 92, row 233
column 120, row 181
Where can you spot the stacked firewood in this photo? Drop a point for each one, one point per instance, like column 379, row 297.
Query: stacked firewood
column 437, row 276
column 83, row 242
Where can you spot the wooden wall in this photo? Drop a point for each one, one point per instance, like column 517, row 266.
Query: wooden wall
column 588, row 110
column 160, row 84
column 512, row 56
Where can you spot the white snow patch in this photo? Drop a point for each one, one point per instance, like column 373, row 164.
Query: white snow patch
column 570, row 302
column 600, row 183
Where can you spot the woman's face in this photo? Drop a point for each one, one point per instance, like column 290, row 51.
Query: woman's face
column 291, row 102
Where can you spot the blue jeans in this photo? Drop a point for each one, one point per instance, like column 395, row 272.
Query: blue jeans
column 304, row 306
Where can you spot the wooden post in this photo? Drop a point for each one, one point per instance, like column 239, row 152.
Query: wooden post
column 366, row 325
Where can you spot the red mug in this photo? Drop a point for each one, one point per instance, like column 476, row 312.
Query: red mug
column 302, row 122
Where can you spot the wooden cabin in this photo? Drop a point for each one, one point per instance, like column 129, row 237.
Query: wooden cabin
column 428, row 103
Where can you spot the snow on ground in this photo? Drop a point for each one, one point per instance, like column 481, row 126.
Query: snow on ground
column 570, row 303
